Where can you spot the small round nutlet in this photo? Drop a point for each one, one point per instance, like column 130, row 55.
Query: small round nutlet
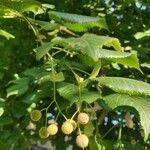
column 43, row 132
column 52, row 129
column 82, row 141
column 67, row 127
column 83, row 118
column 35, row 115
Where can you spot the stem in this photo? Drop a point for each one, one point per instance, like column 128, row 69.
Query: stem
column 79, row 128
column 61, row 49
column 47, row 111
column 46, row 118
column 80, row 70
column 43, row 109
column 119, row 137
column 75, row 113
column 78, row 108
column 36, row 32
column 54, row 87
column 79, row 88
column 30, row 24
column 57, row 116
column 91, row 108
column 73, row 68
column 108, row 131
column 49, row 105
column 120, row 133
column 60, row 110
column 56, row 53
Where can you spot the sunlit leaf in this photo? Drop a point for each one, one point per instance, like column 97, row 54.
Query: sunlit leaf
column 125, row 85
column 141, row 104
column 6, row 34
column 19, row 87
column 71, row 93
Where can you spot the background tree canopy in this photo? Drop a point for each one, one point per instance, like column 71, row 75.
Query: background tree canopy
column 61, row 58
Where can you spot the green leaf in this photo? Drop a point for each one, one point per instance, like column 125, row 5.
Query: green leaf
column 18, row 109
column 5, row 120
column 34, row 97
column 145, row 65
column 4, row 135
column 15, row 8
column 124, row 58
column 73, row 17
column 102, row 40
column 96, row 70
column 41, row 75
column 48, row 26
column 46, row 47
column 88, row 44
column 20, row 87
column 83, row 27
column 77, row 77
column 140, row 35
column 34, row 72
column 131, row 61
column 43, row 50
column 6, row 34
column 2, row 106
column 78, row 23
column 5, row 12
column 46, row 5
column 71, row 93
column 88, row 129
column 57, row 77
column 15, row 135
column 94, row 145
column 125, row 85
column 76, row 27
column 141, row 104
column 91, row 40
column 107, row 144
column 130, row 146
column 109, row 54
column 1, row 111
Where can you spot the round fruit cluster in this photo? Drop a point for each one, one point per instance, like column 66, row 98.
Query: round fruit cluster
column 67, row 127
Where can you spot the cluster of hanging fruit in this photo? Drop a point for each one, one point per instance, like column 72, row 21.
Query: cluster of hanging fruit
column 67, row 127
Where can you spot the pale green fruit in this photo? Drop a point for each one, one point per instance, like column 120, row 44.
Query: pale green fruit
column 35, row 115
column 43, row 132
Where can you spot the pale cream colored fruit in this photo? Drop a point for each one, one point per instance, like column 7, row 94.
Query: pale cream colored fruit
column 73, row 123
column 52, row 129
column 67, row 127
column 82, row 141
column 83, row 118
